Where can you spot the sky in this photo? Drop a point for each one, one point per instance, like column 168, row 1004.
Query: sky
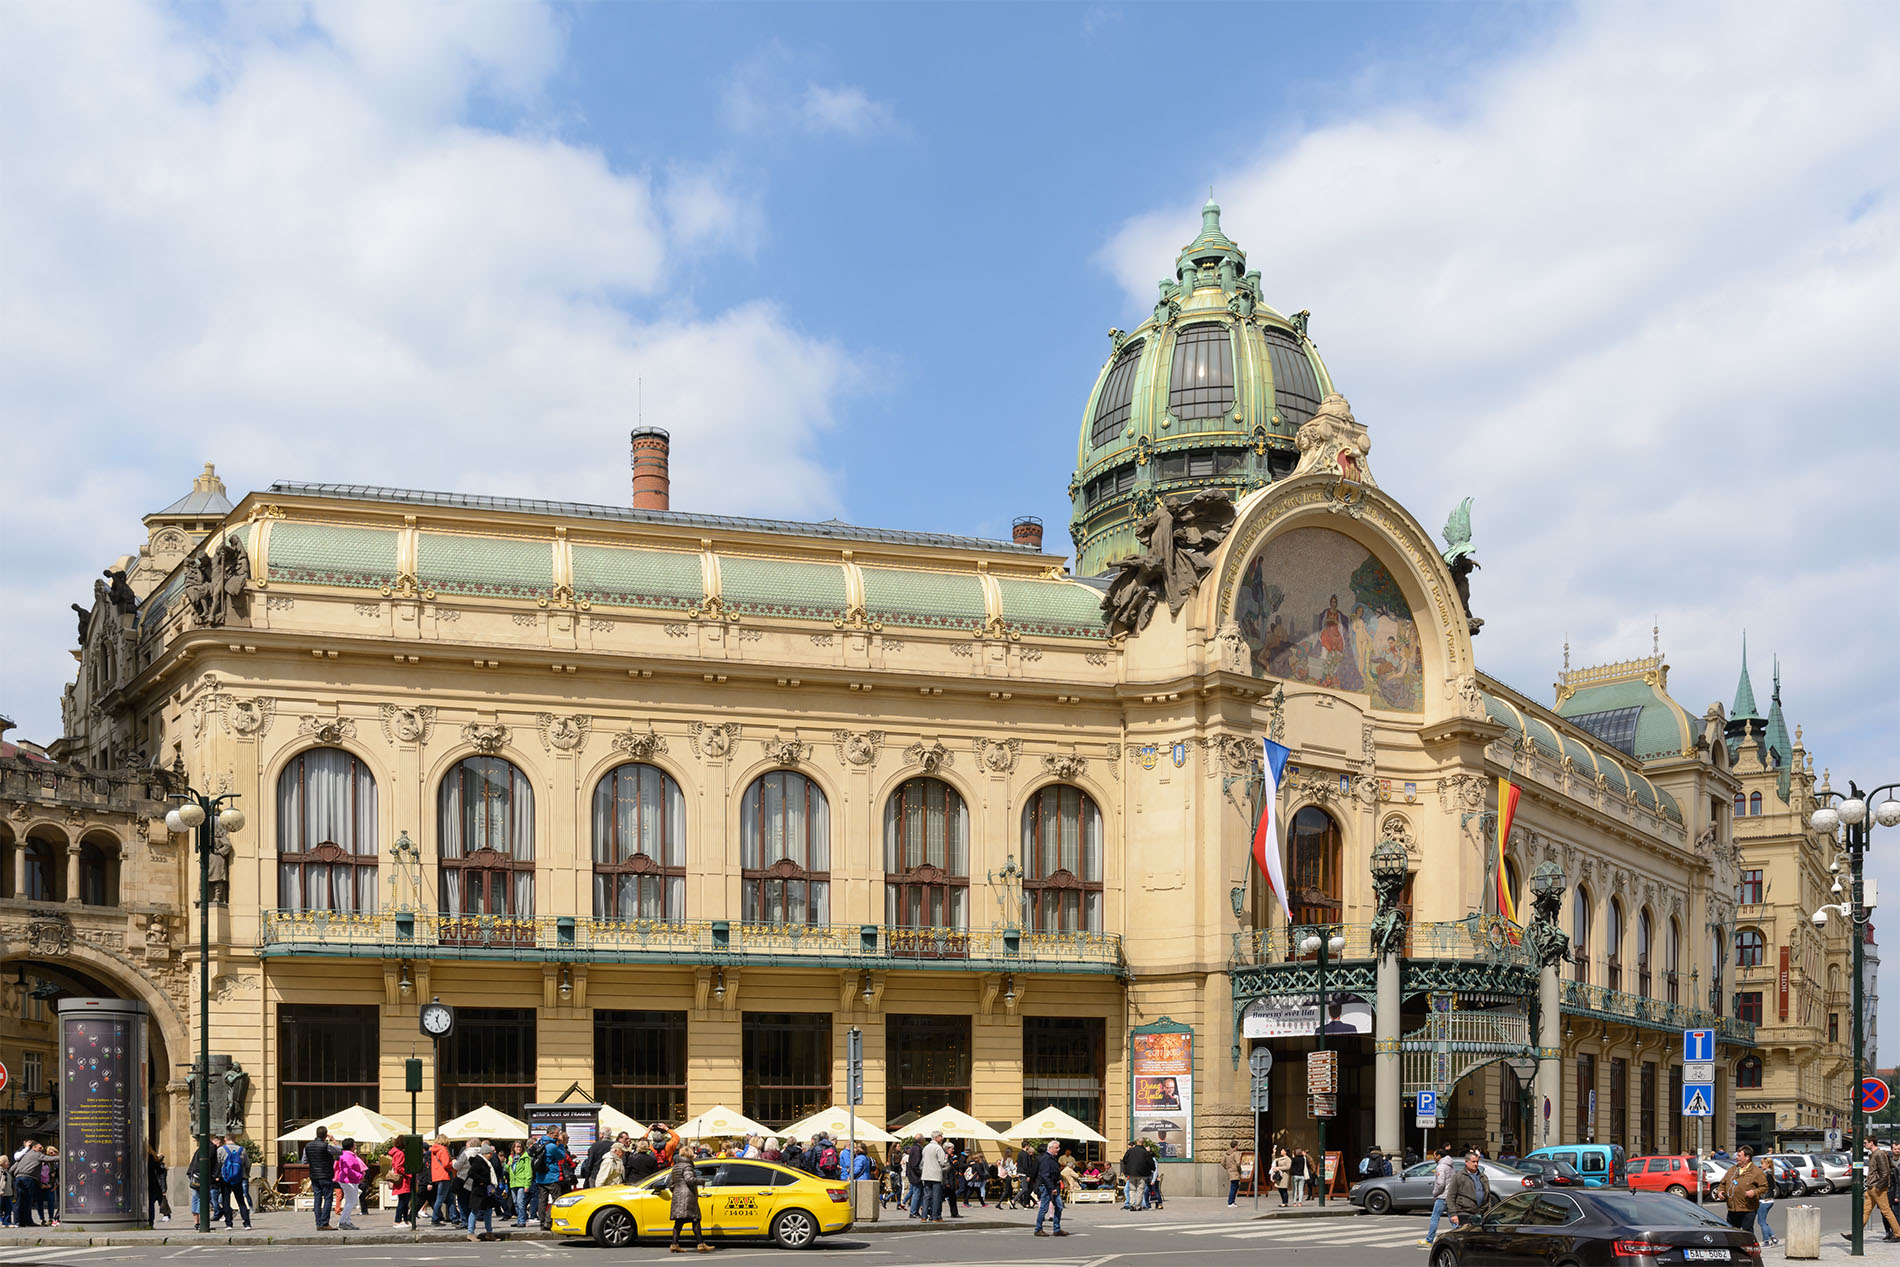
column 1628, row 275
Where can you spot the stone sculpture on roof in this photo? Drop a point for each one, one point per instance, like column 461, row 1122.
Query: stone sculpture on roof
column 1460, row 558
column 1332, row 441
column 1178, row 540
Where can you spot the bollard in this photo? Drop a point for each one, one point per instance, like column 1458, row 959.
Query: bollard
column 1804, row 1231
column 864, row 1201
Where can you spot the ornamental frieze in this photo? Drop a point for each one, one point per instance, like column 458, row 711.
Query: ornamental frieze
column 1064, row 766
column 787, row 752
column 487, row 738
column 929, row 757
column 326, row 730
column 640, row 745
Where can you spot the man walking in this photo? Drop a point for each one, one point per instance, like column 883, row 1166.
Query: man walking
column 1047, row 1183
column 934, row 1162
column 1880, row 1172
column 1743, row 1187
column 1137, row 1164
column 1466, row 1195
column 1441, row 1186
column 547, row 1173
column 914, row 1176
column 228, row 1166
column 320, row 1156
column 26, row 1184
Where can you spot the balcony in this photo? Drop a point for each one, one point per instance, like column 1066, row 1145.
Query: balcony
column 1477, row 937
column 1621, row 1008
column 422, row 934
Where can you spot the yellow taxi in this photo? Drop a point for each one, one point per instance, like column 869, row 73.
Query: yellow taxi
column 737, row 1198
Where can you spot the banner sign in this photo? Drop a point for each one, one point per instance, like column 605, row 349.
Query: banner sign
column 1781, row 984
column 1163, row 1071
column 104, row 1083
column 1297, row 1016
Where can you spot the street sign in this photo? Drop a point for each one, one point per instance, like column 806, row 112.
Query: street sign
column 1698, row 1045
column 1260, row 1063
column 1873, row 1095
column 1698, row 1101
column 1427, row 1110
column 3, row 1076
column 1703, row 1071
column 854, row 1065
column 1322, row 1073
column 1322, row 1106
column 1259, row 1099
column 1834, row 1139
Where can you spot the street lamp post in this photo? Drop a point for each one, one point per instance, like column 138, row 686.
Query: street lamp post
column 1852, row 813
column 204, row 814
column 1332, row 943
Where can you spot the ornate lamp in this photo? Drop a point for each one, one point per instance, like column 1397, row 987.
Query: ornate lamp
column 1548, row 880
column 1390, row 864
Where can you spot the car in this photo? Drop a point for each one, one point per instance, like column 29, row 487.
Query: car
column 1674, row 1174
column 737, row 1199
column 1838, row 1168
column 1601, row 1165
column 1781, row 1173
column 1590, row 1226
column 1808, row 1168
column 1549, row 1172
column 1412, row 1188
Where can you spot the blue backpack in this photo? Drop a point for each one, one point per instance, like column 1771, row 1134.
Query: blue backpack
column 232, row 1168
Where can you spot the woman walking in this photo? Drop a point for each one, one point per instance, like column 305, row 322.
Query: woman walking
column 484, row 1177
column 401, row 1183
column 683, row 1182
column 520, row 1175
column 350, row 1170
column 1301, row 1175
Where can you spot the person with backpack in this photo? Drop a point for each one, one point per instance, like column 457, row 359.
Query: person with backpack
column 829, row 1163
column 320, row 1156
column 351, row 1170
column 520, row 1171
column 547, row 1154
column 230, row 1164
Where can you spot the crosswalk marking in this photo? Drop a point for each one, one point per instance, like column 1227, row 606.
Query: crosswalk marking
column 48, row 1253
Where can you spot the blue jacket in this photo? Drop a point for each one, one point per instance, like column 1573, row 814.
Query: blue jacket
column 549, row 1171
column 861, row 1166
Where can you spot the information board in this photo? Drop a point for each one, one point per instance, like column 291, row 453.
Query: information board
column 580, row 1118
column 1163, row 1072
column 103, row 1083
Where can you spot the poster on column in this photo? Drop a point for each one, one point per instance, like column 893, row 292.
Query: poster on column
column 102, row 1104
column 1163, row 1070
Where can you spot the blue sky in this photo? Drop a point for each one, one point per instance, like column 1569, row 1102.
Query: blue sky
column 1629, row 274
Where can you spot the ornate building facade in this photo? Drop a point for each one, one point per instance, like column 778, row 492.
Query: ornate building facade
column 666, row 803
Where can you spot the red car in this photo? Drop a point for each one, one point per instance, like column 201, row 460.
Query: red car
column 1675, row 1175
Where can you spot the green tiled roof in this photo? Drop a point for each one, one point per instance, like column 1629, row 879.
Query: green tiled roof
column 1659, row 729
column 1540, row 733
column 924, row 600
column 326, row 554
column 1555, row 743
column 509, row 567
column 615, row 577
column 778, row 587
column 1056, row 609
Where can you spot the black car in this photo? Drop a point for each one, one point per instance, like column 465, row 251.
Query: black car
column 1594, row 1227
column 1550, row 1173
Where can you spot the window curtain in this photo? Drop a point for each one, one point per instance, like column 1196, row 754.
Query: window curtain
column 327, row 796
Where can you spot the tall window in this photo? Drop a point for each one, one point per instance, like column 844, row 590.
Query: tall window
column 1619, row 1098
column 785, row 851
column 326, row 833
column 1748, row 1073
column 1754, row 804
column 1741, row 805
column 1064, row 1064
column 926, row 857
column 1749, row 893
column 486, row 839
column 1313, row 849
column 1580, row 932
column 1202, row 382
column 1718, row 959
column 1643, row 929
column 327, row 1060
column 787, row 1070
column 1748, row 1006
column 1613, row 946
column 639, row 845
column 45, row 870
column 1833, row 1027
column 1675, row 960
column 1676, row 1120
column 1118, row 394
column 489, row 1059
column 1647, row 1119
column 99, row 872
column 640, row 1063
column 1062, row 861
column 927, row 1064
column 1751, row 948
column 1586, row 1095
column 1296, row 389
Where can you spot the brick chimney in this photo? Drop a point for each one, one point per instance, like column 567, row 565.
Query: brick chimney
column 1027, row 531
column 651, row 484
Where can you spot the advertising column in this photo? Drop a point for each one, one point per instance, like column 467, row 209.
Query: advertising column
column 1162, row 1069
column 103, row 1084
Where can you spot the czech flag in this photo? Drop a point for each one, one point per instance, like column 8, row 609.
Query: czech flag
column 1266, row 836
column 1507, row 810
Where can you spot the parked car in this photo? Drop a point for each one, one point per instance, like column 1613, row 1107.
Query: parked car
column 1674, row 1174
column 1550, row 1173
column 1808, row 1167
column 1601, row 1165
column 1412, row 1188
column 737, row 1199
column 1594, row 1225
column 1782, row 1174
column 1839, row 1169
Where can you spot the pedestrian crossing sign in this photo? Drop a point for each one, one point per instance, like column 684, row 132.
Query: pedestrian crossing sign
column 1698, row 1101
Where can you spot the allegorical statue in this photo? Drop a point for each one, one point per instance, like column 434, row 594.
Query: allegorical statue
column 215, row 585
column 1549, row 943
column 1459, row 556
column 120, row 592
column 218, row 868
column 1178, row 539
column 237, row 1089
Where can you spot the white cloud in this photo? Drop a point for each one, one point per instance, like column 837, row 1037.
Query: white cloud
column 773, row 94
column 846, row 109
column 278, row 244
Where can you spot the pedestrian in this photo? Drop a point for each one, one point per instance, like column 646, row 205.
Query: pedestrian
column 351, row 1170
column 930, row 1169
column 229, row 1164
column 1441, row 1189
column 195, row 1175
column 1878, row 1194
column 485, row 1180
column 640, row 1163
column 1137, row 1164
column 1282, row 1174
column 611, row 1169
column 320, row 1156
column 1765, row 1234
column 547, row 1173
column 1047, row 1184
column 1374, row 1165
column 49, row 1186
column 158, row 1205
column 1231, row 1162
column 519, row 1172
column 1301, row 1175
column 26, row 1183
column 683, row 1182
column 665, row 1143
column 1154, row 1189
column 1742, row 1189
column 441, row 1180
column 1468, row 1193
column 914, row 1176
column 401, row 1183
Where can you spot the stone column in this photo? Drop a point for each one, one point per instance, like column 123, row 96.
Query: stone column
column 72, row 873
column 19, row 869
column 1549, row 1083
column 1388, row 1082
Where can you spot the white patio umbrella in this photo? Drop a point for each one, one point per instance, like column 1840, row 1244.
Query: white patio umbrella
column 836, row 1123
column 954, row 1123
column 720, row 1122
column 487, row 1122
column 355, row 1122
column 613, row 1121
column 1053, row 1123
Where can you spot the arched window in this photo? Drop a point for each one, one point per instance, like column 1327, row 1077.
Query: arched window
column 1718, row 960
column 1201, row 384
column 1751, row 948
column 1112, row 407
column 326, row 833
column 99, row 872
column 1062, row 861
column 1741, row 805
column 1643, row 928
column 1748, row 1073
column 486, row 839
column 785, row 851
column 1580, row 932
column 1754, row 804
column 639, row 845
column 1613, row 945
column 1674, row 969
column 45, row 870
column 926, row 857
column 1313, row 847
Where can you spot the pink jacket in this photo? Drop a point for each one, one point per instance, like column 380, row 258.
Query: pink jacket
column 350, row 1168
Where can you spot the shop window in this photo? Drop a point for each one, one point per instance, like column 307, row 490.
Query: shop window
column 1646, row 1120
column 1064, row 1064
column 1062, row 861
column 486, row 841
column 328, row 1058
column 640, row 1063
column 927, row 1064
column 488, row 1059
column 785, row 851
column 1619, row 1098
column 787, row 1069
column 1586, row 1084
column 926, row 857
column 639, row 845
column 326, row 833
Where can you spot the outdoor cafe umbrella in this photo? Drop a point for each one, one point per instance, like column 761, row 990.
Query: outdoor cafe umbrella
column 1053, row 1123
column 836, row 1123
column 355, row 1122
column 487, row 1122
column 720, row 1122
column 954, row 1123
column 613, row 1121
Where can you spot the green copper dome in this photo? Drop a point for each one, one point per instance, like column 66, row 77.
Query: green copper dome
column 1205, row 394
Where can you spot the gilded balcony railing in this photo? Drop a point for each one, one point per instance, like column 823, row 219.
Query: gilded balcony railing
column 1635, row 1009
column 1481, row 937
column 561, row 937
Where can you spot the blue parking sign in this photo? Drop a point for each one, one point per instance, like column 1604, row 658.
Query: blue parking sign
column 1428, row 1104
column 1698, row 1045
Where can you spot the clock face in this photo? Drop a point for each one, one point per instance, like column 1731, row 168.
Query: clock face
column 436, row 1019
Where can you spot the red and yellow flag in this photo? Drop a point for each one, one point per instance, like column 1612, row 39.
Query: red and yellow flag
column 1507, row 810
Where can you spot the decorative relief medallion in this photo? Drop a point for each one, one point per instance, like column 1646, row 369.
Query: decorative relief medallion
column 1065, row 765
column 999, row 756
column 1396, row 828
column 641, row 746
column 487, row 738
column 408, row 725
column 327, row 730
column 713, row 741
column 246, row 717
column 859, row 747
column 931, row 757
column 787, row 752
column 48, row 935
column 1234, row 754
column 563, row 734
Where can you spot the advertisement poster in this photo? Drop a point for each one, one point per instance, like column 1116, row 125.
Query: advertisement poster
column 1297, row 1016
column 102, row 1110
column 580, row 1119
column 1163, row 1071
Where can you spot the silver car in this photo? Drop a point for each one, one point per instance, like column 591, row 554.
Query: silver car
column 1838, row 1168
column 1807, row 1170
column 1411, row 1189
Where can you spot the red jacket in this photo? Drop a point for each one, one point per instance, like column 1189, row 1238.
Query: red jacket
column 398, row 1177
column 439, row 1170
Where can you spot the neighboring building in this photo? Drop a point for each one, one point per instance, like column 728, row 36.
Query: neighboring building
column 1870, row 1000
column 666, row 803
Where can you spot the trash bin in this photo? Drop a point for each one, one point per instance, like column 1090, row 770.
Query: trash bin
column 1804, row 1231
column 865, row 1207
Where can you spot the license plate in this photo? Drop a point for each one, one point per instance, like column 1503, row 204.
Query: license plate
column 1706, row 1255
